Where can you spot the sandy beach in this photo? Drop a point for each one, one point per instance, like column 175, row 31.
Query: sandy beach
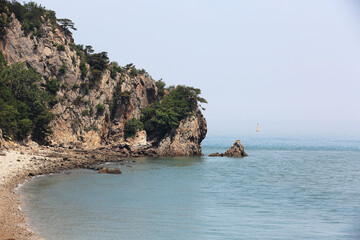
column 20, row 163
column 14, row 166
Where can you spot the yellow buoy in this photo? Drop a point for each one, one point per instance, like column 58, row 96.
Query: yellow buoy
column 257, row 128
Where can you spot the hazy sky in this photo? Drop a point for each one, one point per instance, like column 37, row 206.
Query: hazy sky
column 293, row 66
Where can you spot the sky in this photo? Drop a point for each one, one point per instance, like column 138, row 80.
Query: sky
column 291, row 66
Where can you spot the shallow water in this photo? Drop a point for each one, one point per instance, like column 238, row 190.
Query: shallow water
column 286, row 189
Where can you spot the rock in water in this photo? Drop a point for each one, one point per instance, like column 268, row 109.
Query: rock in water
column 104, row 170
column 236, row 150
column 111, row 171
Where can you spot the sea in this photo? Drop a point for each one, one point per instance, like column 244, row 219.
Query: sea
column 287, row 188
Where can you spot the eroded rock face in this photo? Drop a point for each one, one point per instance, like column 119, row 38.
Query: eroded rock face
column 236, row 150
column 186, row 139
column 72, row 126
column 76, row 123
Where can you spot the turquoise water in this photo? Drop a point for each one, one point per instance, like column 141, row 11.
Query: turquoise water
column 286, row 189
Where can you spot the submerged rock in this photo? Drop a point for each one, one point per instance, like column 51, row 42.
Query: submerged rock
column 111, row 171
column 236, row 150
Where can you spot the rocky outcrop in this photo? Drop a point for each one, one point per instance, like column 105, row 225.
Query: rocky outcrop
column 186, row 139
column 77, row 123
column 236, row 150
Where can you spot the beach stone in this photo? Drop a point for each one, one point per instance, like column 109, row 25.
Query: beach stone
column 110, row 171
column 115, row 171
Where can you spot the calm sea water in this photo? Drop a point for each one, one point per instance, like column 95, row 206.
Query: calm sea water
column 286, row 189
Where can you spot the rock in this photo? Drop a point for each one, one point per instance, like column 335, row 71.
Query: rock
column 236, row 150
column 115, row 171
column 215, row 154
column 104, row 170
column 139, row 142
column 110, row 171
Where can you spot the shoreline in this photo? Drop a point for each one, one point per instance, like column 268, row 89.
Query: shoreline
column 21, row 163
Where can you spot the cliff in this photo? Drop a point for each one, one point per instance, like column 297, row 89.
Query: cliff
column 95, row 98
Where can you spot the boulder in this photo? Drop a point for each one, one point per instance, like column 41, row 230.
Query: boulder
column 139, row 142
column 236, row 150
column 110, row 171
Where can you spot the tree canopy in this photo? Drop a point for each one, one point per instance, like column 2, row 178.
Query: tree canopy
column 23, row 105
column 160, row 117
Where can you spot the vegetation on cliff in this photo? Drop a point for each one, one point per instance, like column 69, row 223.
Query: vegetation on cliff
column 23, row 104
column 125, row 101
column 160, row 118
column 30, row 15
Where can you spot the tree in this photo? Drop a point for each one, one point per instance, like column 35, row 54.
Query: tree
column 24, row 107
column 159, row 118
column 131, row 127
column 89, row 49
column 66, row 24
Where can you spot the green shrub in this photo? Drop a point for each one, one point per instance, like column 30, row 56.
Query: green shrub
column 60, row 48
column 78, row 49
column 75, row 86
column 83, row 69
column 96, row 75
column 91, row 110
column 125, row 94
column 92, row 127
column 160, row 117
column 98, row 61
column 100, row 109
column 78, row 101
column 62, row 69
column 4, row 20
column 32, row 16
column 131, row 127
column 24, row 107
column 52, row 86
column 133, row 72
column 115, row 69
column 161, row 87
column 85, row 88
column 85, row 112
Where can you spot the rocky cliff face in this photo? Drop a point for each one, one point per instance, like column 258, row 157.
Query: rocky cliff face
column 186, row 139
column 77, row 121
